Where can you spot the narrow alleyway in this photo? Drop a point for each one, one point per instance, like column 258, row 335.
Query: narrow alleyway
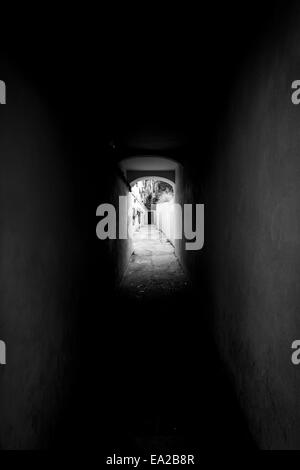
column 168, row 360
column 153, row 268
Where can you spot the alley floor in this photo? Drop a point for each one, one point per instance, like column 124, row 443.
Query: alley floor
column 161, row 348
column 153, row 269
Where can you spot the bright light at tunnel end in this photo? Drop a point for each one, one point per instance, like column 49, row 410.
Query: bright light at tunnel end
column 113, row 226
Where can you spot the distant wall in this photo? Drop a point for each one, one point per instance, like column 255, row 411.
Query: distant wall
column 120, row 250
column 188, row 191
column 165, row 219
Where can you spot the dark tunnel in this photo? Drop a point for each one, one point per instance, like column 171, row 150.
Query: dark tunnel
column 204, row 367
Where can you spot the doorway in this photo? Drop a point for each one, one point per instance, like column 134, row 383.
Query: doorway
column 150, row 217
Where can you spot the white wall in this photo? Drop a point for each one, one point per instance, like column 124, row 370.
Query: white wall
column 165, row 218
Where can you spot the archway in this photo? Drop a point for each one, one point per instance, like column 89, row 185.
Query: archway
column 155, row 178
column 149, row 195
column 153, row 267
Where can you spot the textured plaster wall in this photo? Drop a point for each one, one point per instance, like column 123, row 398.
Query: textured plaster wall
column 253, row 222
column 189, row 191
column 36, row 272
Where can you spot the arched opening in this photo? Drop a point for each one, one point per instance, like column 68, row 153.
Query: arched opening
column 151, row 191
column 153, row 267
column 155, row 178
column 152, row 204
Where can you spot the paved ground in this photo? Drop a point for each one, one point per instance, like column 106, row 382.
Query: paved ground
column 153, row 268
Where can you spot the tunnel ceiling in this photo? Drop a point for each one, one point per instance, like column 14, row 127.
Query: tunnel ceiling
column 148, row 163
column 153, row 138
column 149, row 166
